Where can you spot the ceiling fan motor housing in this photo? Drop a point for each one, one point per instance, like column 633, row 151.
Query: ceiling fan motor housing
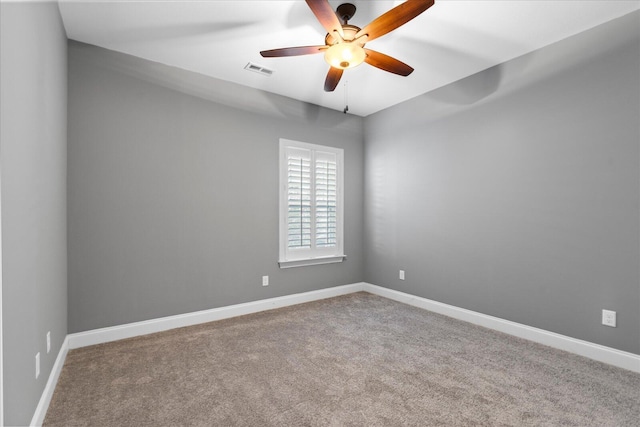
column 349, row 31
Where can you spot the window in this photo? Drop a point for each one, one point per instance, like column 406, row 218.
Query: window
column 311, row 199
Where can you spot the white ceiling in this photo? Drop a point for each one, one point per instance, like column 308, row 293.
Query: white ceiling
column 451, row 40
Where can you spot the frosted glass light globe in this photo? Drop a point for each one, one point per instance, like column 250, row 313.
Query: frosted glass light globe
column 345, row 55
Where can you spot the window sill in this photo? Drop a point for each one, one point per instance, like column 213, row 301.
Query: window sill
column 312, row 261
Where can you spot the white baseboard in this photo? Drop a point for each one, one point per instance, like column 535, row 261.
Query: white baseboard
column 47, row 394
column 612, row 356
column 99, row 336
column 597, row 352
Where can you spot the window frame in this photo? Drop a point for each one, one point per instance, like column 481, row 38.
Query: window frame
column 313, row 256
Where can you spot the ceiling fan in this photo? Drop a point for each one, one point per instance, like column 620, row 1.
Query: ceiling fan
column 344, row 43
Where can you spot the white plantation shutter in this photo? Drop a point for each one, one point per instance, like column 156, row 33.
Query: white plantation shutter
column 310, row 204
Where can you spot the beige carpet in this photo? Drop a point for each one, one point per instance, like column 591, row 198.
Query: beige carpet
column 357, row 360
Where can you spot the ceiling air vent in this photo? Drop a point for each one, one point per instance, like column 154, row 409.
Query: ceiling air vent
column 258, row 69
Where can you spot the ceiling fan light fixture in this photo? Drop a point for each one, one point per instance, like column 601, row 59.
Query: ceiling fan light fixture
column 345, row 55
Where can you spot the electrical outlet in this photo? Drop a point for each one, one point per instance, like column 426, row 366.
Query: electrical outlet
column 401, row 275
column 48, row 342
column 265, row 280
column 37, row 365
column 609, row 318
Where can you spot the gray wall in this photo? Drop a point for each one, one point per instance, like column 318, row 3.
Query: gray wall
column 173, row 198
column 33, row 100
column 515, row 192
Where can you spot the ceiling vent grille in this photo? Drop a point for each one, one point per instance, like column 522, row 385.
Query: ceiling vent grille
column 258, row 69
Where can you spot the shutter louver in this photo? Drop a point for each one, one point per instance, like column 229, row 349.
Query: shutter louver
column 326, row 201
column 299, row 201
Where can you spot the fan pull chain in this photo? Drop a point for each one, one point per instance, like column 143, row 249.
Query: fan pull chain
column 346, row 98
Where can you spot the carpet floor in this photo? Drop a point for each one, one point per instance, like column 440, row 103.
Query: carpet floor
column 354, row 360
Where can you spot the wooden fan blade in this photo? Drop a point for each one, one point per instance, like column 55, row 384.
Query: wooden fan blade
column 394, row 18
column 387, row 63
column 293, row 51
column 325, row 14
column 333, row 77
